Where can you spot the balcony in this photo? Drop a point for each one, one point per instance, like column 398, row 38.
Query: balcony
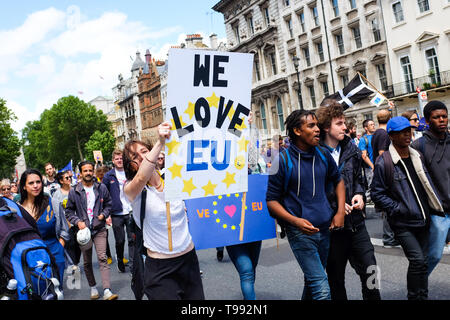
column 432, row 81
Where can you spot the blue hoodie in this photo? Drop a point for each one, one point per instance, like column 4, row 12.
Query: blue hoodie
column 306, row 195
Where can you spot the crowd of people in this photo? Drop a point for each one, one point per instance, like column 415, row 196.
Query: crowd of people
column 321, row 178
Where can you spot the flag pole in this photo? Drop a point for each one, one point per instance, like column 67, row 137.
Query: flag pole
column 241, row 233
column 375, row 88
column 169, row 226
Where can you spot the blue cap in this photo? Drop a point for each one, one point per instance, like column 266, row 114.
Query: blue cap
column 397, row 124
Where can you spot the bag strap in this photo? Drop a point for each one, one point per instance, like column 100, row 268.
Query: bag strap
column 321, row 153
column 143, row 202
column 388, row 168
column 288, row 167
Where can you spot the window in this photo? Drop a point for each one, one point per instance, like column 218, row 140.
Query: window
column 236, row 34
column 289, row 26
column 381, row 68
column 267, row 16
column 312, row 94
column 280, row 114
column 320, row 51
column 357, row 37
column 344, row 80
column 363, row 72
column 307, row 57
column 250, row 25
column 340, row 43
column 424, row 5
column 376, row 30
column 407, row 73
column 301, row 18
column 325, row 88
column 263, row 116
column 273, row 62
column 315, row 14
column 433, row 65
column 286, row 3
column 352, row 4
column 335, row 6
column 398, row 11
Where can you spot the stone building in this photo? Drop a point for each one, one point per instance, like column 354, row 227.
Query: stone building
column 327, row 41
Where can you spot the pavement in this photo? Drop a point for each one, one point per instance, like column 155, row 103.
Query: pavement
column 278, row 275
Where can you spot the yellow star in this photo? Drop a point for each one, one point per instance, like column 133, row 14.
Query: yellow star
column 173, row 146
column 183, row 124
column 243, row 144
column 209, row 188
column 190, row 110
column 176, row 170
column 188, row 186
column 229, row 179
column 213, row 100
column 242, row 126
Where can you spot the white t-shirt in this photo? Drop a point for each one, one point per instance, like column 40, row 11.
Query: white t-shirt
column 90, row 197
column 155, row 223
column 125, row 203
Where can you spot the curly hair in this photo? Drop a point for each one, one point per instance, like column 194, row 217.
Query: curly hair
column 295, row 120
column 328, row 110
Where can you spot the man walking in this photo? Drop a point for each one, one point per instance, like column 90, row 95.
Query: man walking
column 296, row 196
column 50, row 183
column 365, row 145
column 380, row 143
column 353, row 242
column 435, row 147
column 88, row 206
column 402, row 186
column 114, row 180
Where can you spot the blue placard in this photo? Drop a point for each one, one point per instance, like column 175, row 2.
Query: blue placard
column 215, row 221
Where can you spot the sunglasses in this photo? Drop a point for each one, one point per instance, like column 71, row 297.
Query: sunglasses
column 159, row 158
column 68, row 178
column 414, row 119
column 6, row 189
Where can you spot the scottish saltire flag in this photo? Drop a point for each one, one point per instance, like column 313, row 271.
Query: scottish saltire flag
column 355, row 91
column 67, row 167
column 216, row 221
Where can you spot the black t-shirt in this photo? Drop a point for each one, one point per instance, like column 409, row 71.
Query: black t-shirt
column 380, row 141
column 417, row 185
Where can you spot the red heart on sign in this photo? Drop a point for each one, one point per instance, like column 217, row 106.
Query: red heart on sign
column 230, row 210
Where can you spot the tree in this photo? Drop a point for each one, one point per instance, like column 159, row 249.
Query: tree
column 62, row 132
column 104, row 142
column 9, row 142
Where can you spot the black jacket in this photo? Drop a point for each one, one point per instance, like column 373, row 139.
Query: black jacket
column 350, row 164
column 399, row 199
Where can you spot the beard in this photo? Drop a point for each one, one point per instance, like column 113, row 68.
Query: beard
column 88, row 178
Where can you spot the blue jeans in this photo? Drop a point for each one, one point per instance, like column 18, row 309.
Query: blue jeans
column 245, row 259
column 311, row 253
column 438, row 235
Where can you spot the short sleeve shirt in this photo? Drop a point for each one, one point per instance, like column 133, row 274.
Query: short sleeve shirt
column 366, row 146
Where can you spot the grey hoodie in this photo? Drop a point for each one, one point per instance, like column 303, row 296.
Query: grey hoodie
column 437, row 160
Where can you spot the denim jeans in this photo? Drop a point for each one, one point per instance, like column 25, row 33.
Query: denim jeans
column 119, row 224
column 438, row 236
column 311, row 253
column 245, row 259
column 414, row 242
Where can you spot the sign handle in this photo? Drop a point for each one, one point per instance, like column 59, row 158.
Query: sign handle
column 241, row 233
column 169, row 226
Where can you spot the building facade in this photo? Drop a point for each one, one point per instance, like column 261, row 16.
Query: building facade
column 128, row 117
column 418, row 42
column 305, row 50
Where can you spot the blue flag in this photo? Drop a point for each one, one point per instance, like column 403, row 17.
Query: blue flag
column 67, row 167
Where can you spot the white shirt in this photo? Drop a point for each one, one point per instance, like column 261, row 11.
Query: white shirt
column 126, row 206
column 155, row 223
column 90, row 197
column 335, row 154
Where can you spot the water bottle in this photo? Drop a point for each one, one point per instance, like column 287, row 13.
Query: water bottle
column 11, row 290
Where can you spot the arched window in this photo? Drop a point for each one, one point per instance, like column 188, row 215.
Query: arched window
column 280, row 114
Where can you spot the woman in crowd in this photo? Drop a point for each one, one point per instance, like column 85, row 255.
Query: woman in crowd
column 52, row 224
column 413, row 118
column 169, row 274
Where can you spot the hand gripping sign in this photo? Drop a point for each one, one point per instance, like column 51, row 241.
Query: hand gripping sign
column 208, row 104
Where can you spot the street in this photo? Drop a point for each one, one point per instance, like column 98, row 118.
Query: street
column 279, row 277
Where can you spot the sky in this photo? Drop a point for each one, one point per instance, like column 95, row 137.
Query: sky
column 51, row 49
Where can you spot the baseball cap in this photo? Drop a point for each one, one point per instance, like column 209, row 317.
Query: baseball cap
column 397, row 124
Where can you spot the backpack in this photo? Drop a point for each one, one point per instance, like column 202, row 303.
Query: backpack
column 288, row 167
column 138, row 267
column 25, row 257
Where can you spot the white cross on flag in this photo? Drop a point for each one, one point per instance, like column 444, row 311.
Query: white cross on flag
column 355, row 91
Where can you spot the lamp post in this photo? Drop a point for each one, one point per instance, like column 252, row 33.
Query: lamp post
column 295, row 60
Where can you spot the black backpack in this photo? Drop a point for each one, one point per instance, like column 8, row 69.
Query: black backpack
column 137, row 270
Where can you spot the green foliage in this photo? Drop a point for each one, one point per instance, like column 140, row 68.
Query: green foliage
column 104, row 142
column 9, row 142
column 62, row 133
